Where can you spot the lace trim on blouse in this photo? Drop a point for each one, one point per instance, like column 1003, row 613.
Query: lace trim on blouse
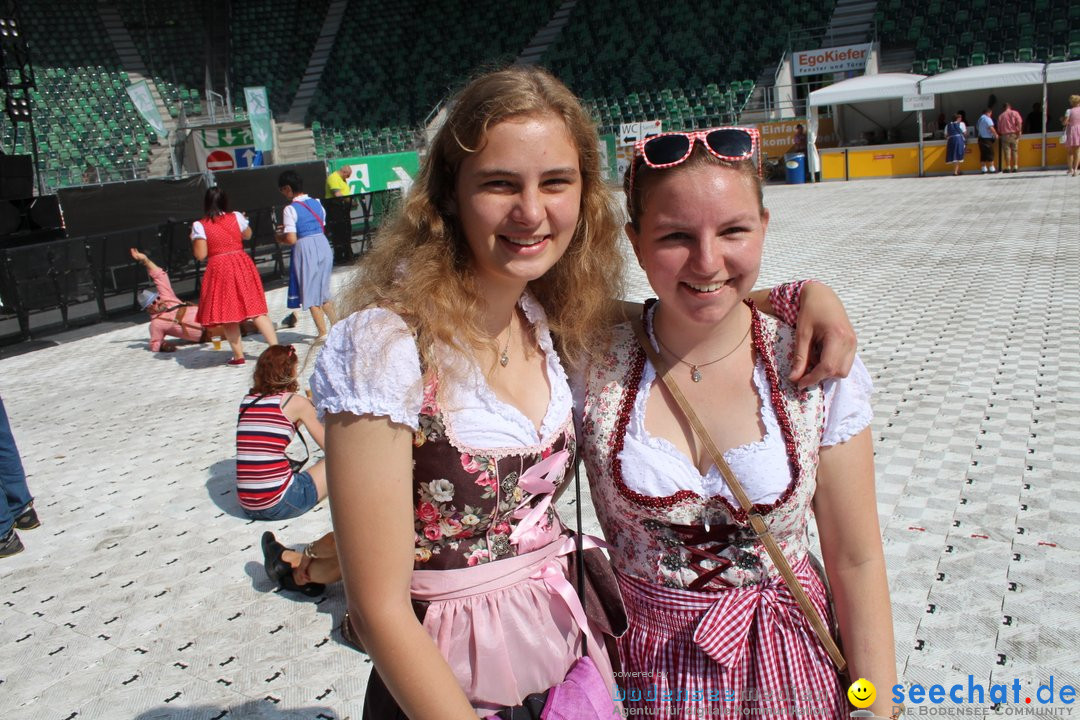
column 370, row 365
column 655, row 467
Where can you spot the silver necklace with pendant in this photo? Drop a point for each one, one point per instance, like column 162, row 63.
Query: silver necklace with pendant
column 695, row 369
column 504, row 357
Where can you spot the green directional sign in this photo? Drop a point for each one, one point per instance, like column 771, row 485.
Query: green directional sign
column 373, row 173
column 237, row 136
column 258, row 108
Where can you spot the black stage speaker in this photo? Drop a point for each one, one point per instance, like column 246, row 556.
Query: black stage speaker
column 28, row 215
column 16, row 177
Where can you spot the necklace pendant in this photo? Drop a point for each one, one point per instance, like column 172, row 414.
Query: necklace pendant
column 695, row 374
column 504, row 359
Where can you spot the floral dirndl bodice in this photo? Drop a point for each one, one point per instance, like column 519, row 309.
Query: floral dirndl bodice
column 470, row 504
column 685, row 540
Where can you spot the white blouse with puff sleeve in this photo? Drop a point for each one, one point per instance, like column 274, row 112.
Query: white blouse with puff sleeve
column 370, row 366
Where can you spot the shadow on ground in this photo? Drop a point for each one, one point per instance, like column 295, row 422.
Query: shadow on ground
column 221, row 487
column 253, row 710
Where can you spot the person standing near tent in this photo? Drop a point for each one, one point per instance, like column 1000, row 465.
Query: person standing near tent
column 1009, row 126
column 987, row 135
column 1071, row 123
column 955, row 144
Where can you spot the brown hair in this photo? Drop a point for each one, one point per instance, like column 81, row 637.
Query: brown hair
column 420, row 266
column 275, row 372
column 1074, row 100
column 699, row 157
column 215, row 203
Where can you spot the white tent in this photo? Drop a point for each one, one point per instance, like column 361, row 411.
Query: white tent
column 865, row 88
column 984, row 77
column 1063, row 72
column 885, row 86
column 988, row 77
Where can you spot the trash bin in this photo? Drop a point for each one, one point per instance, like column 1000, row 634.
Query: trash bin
column 795, row 168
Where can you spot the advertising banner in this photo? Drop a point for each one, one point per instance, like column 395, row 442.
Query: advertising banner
column 374, row 173
column 143, row 101
column 829, row 60
column 609, row 163
column 258, row 109
column 230, row 147
column 778, row 137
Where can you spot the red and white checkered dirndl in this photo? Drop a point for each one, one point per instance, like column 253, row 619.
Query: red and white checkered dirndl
column 711, row 654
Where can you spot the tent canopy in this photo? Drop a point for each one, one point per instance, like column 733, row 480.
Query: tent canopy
column 1063, row 72
column 984, row 77
column 884, row 86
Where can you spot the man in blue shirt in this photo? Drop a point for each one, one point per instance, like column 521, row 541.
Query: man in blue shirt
column 987, row 135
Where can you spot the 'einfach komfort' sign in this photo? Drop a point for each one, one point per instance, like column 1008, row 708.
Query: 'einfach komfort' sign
column 827, row 60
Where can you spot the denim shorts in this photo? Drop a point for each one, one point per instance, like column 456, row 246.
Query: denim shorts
column 298, row 498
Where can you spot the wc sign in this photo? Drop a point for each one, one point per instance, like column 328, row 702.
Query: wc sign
column 375, row 173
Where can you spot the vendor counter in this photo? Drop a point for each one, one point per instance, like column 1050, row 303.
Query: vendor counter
column 902, row 159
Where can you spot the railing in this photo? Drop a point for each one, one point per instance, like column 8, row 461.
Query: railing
column 88, row 279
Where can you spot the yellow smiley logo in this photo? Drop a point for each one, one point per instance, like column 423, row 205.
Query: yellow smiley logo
column 862, row 693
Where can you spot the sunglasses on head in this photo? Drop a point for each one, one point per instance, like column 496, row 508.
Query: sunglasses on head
column 733, row 144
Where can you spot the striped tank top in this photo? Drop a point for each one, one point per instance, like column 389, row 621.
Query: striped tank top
column 262, row 434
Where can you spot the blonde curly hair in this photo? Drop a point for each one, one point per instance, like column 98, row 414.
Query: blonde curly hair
column 421, row 266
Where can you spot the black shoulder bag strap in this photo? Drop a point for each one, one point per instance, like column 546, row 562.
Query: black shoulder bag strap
column 307, row 453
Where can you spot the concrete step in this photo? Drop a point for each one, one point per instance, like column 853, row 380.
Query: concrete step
column 546, row 35
column 320, row 54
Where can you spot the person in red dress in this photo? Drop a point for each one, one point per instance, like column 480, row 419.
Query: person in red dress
column 232, row 290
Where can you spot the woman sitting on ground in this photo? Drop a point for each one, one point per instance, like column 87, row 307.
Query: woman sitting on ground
column 270, row 415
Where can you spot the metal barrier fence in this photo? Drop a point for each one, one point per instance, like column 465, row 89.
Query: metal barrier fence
column 88, row 279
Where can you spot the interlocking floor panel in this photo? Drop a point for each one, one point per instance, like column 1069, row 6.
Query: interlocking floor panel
column 142, row 595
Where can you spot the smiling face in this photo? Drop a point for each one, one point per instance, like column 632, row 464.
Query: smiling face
column 862, row 693
column 518, row 199
column 699, row 239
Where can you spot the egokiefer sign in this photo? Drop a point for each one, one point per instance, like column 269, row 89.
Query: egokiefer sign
column 827, row 60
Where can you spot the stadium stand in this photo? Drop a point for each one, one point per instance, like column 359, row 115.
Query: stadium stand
column 945, row 36
column 376, row 89
column 271, row 43
column 686, row 64
column 82, row 114
column 392, row 61
column 170, row 39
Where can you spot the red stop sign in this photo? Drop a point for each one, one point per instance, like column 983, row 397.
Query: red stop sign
column 220, row 160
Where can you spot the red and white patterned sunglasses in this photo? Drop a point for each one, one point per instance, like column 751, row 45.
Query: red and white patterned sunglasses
column 673, row 148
